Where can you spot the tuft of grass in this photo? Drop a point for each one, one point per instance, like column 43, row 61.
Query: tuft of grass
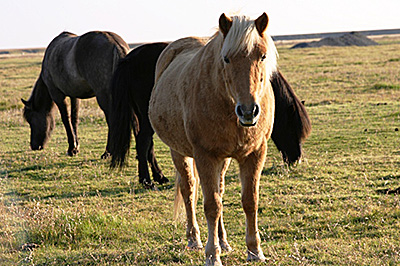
column 383, row 86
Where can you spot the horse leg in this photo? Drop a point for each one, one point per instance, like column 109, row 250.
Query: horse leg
column 223, row 242
column 103, row 101
column 209, row 169
column 73, row 148
column 188, row 184
column 158, row 176
column 250, row 172
column 142, row 146
column 75, row 118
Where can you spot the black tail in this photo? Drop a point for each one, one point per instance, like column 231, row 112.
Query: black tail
column 123, row 118
column 292, row 124
column 131, row 89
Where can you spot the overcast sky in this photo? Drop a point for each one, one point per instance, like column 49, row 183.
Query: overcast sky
column 34, row 23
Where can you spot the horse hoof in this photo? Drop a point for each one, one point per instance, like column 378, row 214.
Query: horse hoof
column 161, row 180
column 105, row 155
column 73, row 152
column 194, row 244
column 225, row 247
column 149, row 185
column 258, row 256
column 210, row 261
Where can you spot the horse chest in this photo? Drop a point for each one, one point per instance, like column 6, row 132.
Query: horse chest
column 224, row 138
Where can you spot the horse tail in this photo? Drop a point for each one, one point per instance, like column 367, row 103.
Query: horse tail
column 123, row 118
column 304, row 118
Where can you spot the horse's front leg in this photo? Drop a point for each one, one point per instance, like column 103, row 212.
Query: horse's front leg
column 73, row 148
column 250, row 172
column 209, row 170
column 223, row 242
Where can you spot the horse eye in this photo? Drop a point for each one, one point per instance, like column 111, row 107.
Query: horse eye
column 226, row 60
column 263, row 57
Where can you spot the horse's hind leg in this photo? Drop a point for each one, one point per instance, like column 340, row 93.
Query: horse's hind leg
column 209, row 168
column 143, row 140
column 73, row 148
column 103, row 101
column 158, row 176
column 75, row 118
column 188, row 185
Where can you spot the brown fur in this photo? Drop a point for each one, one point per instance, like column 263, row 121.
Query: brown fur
column 192, row 109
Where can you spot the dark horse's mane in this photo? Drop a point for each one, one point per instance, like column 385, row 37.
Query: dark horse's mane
column 291, row 118
column 39, row 100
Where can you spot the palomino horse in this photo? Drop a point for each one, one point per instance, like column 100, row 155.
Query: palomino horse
column 79, row 67
column 213, row 101
column 131, row 88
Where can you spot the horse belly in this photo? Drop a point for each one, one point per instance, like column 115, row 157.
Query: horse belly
column 167, row 122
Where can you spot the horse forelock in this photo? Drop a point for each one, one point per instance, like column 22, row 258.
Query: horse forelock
column 243, row 36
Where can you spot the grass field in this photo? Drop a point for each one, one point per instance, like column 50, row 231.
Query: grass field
column 338, row 207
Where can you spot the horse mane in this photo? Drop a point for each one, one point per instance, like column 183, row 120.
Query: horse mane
column 243, row 36
column 39, row 100
column 302, row 122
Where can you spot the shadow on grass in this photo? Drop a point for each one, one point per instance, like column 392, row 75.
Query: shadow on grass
column 389, row 191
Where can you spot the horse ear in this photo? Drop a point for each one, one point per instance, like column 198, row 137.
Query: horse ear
column 261, row 23
column 225, row 24
column 26, row 103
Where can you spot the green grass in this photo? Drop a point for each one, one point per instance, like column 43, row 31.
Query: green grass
column 332, row 209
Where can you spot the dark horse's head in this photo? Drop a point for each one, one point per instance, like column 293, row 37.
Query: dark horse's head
column 38, row 113
column 292, row 124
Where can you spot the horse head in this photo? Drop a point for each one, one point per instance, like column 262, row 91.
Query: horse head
column 249, row 58
column 41, row 124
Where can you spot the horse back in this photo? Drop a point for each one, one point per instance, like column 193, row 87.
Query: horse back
column 81, row 66
column 97, row 54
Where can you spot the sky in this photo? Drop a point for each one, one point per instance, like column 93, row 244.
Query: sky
column 34, row 23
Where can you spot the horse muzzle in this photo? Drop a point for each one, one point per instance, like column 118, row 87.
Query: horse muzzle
column 248, row 115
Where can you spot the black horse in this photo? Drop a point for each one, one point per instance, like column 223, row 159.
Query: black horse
column 131, row 88
column 79, row 67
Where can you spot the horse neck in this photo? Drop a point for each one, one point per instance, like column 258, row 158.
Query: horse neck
column 40, row 97
column 212, row 62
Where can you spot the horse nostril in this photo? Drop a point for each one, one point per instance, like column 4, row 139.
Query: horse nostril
column 256, row 110
column 239, row 111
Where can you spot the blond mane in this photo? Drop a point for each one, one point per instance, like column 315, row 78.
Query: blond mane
column 243, row 36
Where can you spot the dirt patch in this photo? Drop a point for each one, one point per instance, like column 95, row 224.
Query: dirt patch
column 348, row 39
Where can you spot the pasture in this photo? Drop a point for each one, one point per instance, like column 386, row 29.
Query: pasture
column 340, row 206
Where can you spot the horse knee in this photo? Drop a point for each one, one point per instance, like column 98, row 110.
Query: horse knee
column 213, row 208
